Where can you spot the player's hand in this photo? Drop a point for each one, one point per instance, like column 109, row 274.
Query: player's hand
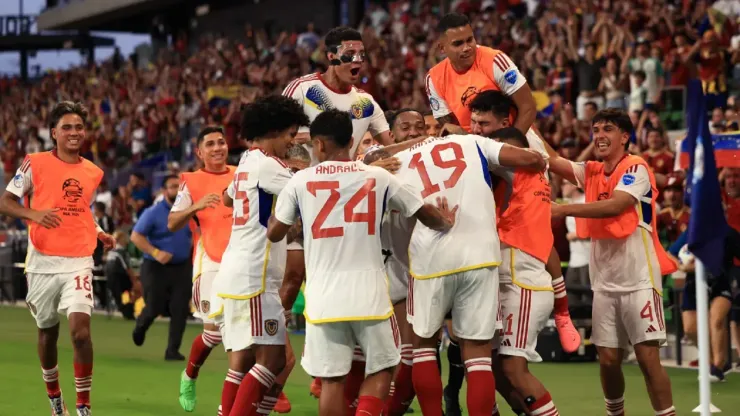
column 302, row 138
column 447, row 213
column 571, row 236
column 208, row 201
column 391, row 164
column 558, row 211
column 162, row 257
column 541, row 165
column 450, row 128
column 47, row 218
column 288, row 316
column 108, row 241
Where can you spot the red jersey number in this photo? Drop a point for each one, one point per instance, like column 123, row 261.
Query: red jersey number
column 367, row 191
column 241, row 197
column 457, row 163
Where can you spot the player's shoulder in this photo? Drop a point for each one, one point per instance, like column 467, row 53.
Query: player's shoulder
column 438, row 68
column 306, row 80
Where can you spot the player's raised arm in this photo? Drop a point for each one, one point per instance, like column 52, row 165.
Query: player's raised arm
column 507, row 76
column 560, row 165
column 228, row 196
column 510, row 156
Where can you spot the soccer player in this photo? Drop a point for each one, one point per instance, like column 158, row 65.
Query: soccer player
column 62, row 237
column 200, row 198
column 525, row 289
column 491, row 111
column 253, row 268
column 341, row 204
column 335, row 89
column 468, row 70
column 627, row 260
column 457, row 271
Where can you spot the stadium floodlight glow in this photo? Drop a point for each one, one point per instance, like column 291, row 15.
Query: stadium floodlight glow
column 202, row 10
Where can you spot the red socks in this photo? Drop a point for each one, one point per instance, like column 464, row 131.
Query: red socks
column 228, row 394
column 353, row 383
column 480, row 385
column 561, row 298
column 252, row 391
column 200, row 350
column 403, row 390
column 83, row 383
column 369, row 406
column 51, row 378
column 427, row 382
column 543, row 406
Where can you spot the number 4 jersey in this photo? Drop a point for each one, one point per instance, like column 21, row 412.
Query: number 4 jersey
column 341, row 204
column 252, row 264
column 456, row 167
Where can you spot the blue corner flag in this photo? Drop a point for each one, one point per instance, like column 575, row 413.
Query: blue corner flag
column 707, row 224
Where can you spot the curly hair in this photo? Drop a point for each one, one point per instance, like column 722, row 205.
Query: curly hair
column 270, row 115
column 67, row 107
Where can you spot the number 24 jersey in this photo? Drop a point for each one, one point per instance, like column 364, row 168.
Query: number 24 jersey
column 341, row 204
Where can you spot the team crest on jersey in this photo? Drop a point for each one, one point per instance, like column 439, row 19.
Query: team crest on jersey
column 72, row 190
column 362, row 108
column 434, row 103
column 31, row 307
column 628, row 179
column 18, row 181
column 205, row 306
column 271, row 326
column 510, row 76
column 468, row 95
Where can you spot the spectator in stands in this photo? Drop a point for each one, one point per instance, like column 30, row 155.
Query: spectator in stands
column 141, row 194
column 658, row 157
column 674, row 218
column 577, row 280
column 102, row 218
column 651, row 72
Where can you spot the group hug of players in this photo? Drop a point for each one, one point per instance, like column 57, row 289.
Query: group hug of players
column 421, row 230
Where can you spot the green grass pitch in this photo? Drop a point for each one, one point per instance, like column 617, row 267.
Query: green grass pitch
column 131, row 381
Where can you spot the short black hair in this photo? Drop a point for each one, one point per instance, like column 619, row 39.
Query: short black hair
column 375, row 155
column 100, row 206
column 334, row 125
column 617, row 117
column 591, row 104
column 340, row 34
column 205, row 131
column 452, row 21
column 511, row 133
column 67, row 107
column 271, row 115
column 494, row 101
column 392, row 115
column 167, row 178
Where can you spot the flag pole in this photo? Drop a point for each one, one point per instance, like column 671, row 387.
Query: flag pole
column 702, row 329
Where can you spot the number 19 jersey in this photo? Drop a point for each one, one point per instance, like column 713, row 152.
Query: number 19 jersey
column 341, row 204
column 456, row 167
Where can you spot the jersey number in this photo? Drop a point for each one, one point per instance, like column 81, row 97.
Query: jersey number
column 647, row 312
column 508, row 326
column 83, row 283
column 241, row 196
column 366, row 191
column 458, row 163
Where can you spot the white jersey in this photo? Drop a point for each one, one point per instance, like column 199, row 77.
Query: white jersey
column 342, row 205
column 37, row 262
column 630, row 263
column 456, row 167
column 395, row 236
column 252, row 264
column 315, row 96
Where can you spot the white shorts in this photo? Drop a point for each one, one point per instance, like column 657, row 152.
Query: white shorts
column 204, row 273
column 525, row 313
column 330, row 347
column 621, row 319
column 259, row 320
column 51, row 294
column 471, row 296
column 398, row 280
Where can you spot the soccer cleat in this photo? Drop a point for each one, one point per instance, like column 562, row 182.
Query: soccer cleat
column 58, row 408
column 83, row 410
column 570, row 338
column 452, row 404
column 187, row 393
column 283, row 404
column 316, row 388
column 716, row 375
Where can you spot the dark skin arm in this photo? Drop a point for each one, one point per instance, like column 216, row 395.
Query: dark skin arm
column 295, row 274
column 527, row 108
column 439, row 218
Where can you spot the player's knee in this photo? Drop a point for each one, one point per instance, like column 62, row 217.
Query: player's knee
column 80, row 337
column 290, row 361
column 610, row 361
column 514, row 369
column 718, row 322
